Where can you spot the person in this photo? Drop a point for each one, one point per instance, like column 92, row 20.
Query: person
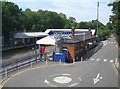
column 42, row 50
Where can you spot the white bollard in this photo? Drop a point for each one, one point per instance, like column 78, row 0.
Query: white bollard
column 46, row 62
column 31, row 64
column 81, row 59
column 6, row 73
column 73, row 61
column 60, row 61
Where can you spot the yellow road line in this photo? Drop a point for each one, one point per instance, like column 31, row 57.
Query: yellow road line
column 10, row 77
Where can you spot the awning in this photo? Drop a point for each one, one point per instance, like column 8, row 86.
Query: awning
column 49, row 40
column 69, row 30
column 30, row 34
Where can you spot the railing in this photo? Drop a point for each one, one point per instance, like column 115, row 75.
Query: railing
column 7, row 68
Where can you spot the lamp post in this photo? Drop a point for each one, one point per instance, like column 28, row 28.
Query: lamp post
column 97, row 18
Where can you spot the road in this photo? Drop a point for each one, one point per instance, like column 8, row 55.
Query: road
column 97, row 71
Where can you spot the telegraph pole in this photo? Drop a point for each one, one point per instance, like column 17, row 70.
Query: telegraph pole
column 97, row 18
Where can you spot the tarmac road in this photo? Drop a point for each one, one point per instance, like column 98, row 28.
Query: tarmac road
column 98, row 71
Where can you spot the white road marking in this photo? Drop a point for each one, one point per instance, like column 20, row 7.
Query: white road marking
column 92, row 59
column 97, row 59
column 101, row 77
column 52, row 85
column 105, row 60
column 105, row 44
column 111, row 60
column 73, row 84
column 80, row 79
column 62, row 79
column 65, row 74
column 7, row 79
column 97, row 78
column 46, row 81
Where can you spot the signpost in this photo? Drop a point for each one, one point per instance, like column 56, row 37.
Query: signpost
column 37, row 50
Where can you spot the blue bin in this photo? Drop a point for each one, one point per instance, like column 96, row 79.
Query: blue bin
column 59, row 56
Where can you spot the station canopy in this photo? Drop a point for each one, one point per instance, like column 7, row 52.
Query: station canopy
column 48, row 40
column 30, row 34
column 69, row 30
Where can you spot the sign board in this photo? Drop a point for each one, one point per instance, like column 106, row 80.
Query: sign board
column 36, row 47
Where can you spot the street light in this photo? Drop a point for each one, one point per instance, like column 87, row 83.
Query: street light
column 97, row 18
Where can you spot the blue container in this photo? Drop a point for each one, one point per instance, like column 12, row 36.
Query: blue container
column 59, row 56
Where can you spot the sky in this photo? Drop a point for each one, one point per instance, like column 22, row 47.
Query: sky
column 81, row 10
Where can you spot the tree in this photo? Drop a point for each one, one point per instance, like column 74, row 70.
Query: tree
column 10, row 19
column 115, row 19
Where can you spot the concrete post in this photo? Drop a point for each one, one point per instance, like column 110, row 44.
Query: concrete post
column 73, row 60
column 6, row 73
column 31, row 64
column 81, row 59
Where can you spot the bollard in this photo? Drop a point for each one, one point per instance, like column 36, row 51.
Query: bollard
column 31, row 64
column 73, row 61
column 81, row 59
column 46, row 62
column 60, row 61
column 6, row 73
column 17, row 66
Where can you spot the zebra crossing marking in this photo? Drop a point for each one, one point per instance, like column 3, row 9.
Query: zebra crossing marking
column 111, row 61
column 97, row 59
column 92, row 59
column 105, row 60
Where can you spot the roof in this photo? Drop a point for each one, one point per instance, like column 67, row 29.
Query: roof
column 48, row 40
column 73, row 40
column 69, row 30
column 30, row 34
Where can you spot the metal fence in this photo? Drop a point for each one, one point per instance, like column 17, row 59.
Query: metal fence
column 18, row 63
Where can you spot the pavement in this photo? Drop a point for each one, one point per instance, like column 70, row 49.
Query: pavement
column 98, row 71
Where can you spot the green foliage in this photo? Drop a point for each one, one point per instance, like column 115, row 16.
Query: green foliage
column 15, row 18
column 115, row 19
column 10, row 17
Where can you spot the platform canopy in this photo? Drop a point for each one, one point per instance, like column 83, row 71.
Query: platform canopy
column 69, row 30
column 30, row 34
column 48, row 40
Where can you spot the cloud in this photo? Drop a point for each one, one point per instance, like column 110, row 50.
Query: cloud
column 114, row 0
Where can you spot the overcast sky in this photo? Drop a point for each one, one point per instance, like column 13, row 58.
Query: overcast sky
column 82, row 10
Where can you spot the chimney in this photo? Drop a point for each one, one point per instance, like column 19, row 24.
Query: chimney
column 73, row 31
column 90, row 32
